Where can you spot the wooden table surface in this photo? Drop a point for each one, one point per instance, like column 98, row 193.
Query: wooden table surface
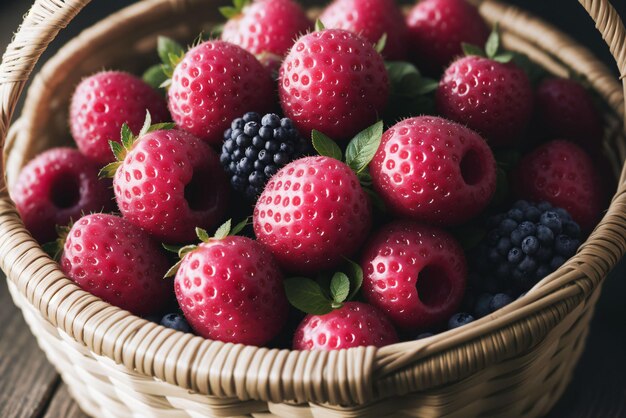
column 31, row 388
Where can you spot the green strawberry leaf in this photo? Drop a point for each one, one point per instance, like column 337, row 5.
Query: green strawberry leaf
column 355, row 274
column 53, row 249
column 325, row 146
column 240, row 226
column 504, row 57
column 469, row 49
column 108, row 171
column 534, row 71
column 339, row 288
column 172, row 248
column 363, row 146
column 223, row 231
column 165, row 126
column 228, row 12
column 173, row 270
column 118, row 150
column 319, row 26
column 155, row 76
column 146, row 124
column 380, row 45
column 167, row 48
column 186, row 250
column 493, row 42
column 127, row 136
column 365, row 178
column 306, row 295
column 426, row 85
column 203, row 235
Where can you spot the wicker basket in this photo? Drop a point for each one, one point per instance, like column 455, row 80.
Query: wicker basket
column 513, row 363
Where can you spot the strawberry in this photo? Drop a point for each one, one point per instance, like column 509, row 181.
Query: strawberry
column 264, row 26
column 333, row 81
column 57, row 186
column 313, row 212
column 562, row 174
column 566, row 110
column 371, row 19
column 167, row 182
column 118, row 262
column 103, row 102
column 489, row 94
column 354, row 324
column 230, row 288
column 334, row 322
column 212, row 84
column 414, row 273
column 431, row 169
column 437, row 28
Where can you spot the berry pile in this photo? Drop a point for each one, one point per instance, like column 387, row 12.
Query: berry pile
column 382, row 204
column 256, row 147
column 524, row 245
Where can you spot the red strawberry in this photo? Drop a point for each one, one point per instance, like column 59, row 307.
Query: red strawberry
column 265, row 26
column 493, row 98
column 414, row 273
column 168, row 182
column 213, row 84
column 437, row 28
column 59, row 185
column 333, row 81
column 562, row 174
column 371, row 19
column 118, row 262
column 230, row 289
column 431, row 169
column 312, row 213
column 103, row 102
column 354, row 324
column 565, row 110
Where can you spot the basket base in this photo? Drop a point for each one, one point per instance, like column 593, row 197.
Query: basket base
column 103, row 388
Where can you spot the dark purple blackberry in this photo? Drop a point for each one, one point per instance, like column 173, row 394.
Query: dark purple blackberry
column 176, row 321
column 460, row 319
column 523, row 246
column 256, row 147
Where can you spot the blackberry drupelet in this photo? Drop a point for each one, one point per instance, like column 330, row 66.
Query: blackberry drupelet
column 256, row 147
column 176, row 321
column 523, row 246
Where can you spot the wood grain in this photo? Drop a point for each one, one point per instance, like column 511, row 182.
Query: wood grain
column 27, row 380
column 63, row 406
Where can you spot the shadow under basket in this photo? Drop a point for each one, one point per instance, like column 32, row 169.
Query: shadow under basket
column 515, row 362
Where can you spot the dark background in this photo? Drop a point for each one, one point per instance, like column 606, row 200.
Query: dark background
column 599, row 385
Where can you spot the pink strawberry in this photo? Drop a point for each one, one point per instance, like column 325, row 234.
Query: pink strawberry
column 562, row 174
column 57, row 186
column 230, row 289
column 333, row 81
column 168, row 182
column 414, row 273
column 118, row 262
column 103, row 102
column 437, row 28
column 354, row 324
column 265, row 26
column 431, row 169
column 213, row 84
column 312, row 213
column 565, row 110
column 493, row 98
column 371, row 19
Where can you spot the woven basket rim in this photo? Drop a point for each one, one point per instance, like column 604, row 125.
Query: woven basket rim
column 110, row 331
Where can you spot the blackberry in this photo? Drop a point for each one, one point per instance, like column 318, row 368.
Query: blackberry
column 460, row 319
column 521, row 247
column 256, row 147
column 175, row 321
